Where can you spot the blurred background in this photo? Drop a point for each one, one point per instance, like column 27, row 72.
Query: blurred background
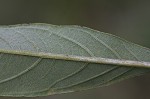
column 129, row 19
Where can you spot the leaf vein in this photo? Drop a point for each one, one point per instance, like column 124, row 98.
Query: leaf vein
column 103, row 43
column 70, row 75
column 31, row 42
column 73, row 41
column 23, row 72
column 91, row 78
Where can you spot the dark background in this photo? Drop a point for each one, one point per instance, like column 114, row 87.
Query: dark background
column 129, row 19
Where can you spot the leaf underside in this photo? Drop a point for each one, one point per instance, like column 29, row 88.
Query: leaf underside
column 29, row 75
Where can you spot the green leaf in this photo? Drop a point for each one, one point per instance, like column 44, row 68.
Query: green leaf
column 42, row 59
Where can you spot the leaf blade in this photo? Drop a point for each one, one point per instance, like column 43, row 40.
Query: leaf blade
column 47, row 59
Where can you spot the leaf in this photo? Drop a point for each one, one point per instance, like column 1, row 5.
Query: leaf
column 42, row 59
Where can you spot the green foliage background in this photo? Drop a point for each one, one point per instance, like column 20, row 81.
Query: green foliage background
column 129, row 19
